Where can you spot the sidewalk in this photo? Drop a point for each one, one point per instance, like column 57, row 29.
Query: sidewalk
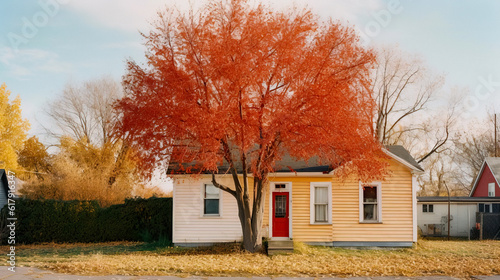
column 30, row 273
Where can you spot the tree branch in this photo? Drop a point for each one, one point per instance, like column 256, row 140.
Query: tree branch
column 222, row 187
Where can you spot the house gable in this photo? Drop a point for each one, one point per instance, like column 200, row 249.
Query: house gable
column 485, row 177
column 402, row 156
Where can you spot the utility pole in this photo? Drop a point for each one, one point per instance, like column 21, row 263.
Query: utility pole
column 449, row 202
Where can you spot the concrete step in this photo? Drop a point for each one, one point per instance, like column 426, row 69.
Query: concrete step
column 278, row 247
column 285, row 244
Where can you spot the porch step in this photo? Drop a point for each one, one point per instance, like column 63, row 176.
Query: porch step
column 275, row 247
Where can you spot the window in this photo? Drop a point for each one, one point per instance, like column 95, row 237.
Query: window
column 428, row 208
column 491, row 189
column 280, row 203
column 495, row 207
column 485, row 208
column 370, row 203
column 211, row 200
column 321, row 204
column 280, row 186
column 321, row 199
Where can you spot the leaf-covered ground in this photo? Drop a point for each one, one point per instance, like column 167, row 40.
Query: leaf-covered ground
column 453, row 258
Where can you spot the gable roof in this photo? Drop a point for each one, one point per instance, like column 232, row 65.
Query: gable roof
column 4, row 183
column 493, row 164
column 286, row 164
column 290, row 164
column 402, row 155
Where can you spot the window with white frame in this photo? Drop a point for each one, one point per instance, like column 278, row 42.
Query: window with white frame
column 485, row 207
column 321, row 203
column 491, row 189
column 370, row 203
column 211, row 200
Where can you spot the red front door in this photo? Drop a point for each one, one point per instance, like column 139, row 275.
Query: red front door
column 280, row 214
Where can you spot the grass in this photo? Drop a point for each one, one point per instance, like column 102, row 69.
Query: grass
column 460, row 259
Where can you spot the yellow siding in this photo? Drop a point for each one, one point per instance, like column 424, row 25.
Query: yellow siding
column 397, row 215
column 302, row 230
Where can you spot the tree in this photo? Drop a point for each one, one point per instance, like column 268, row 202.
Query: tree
column 242, row 86
column 403, row 90
column 471, row 148
column 13, row 129
column 82, row 171
column 90, row 163
column 34, row 158
column 84, row 111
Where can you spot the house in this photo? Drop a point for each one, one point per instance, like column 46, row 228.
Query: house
column 311, row 205
column 4, row 188
column 433, row 214
column 483, row 198
column 486, row 182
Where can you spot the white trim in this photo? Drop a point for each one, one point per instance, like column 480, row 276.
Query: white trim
column 379, row 202
column 173, row 212
column 312, row 213
column 414, row 206
column 477, row 178
column 404, row 162
column 202, row 202
column 288, row 189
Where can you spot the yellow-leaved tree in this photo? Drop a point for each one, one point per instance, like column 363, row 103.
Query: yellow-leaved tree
column 13, row 129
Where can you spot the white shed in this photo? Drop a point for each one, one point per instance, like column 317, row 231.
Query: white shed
column 432, row 214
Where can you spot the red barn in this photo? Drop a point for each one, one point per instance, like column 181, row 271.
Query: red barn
column 486, row 183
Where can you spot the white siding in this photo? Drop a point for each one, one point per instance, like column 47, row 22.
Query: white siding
column 463, row 218
column 189, row 224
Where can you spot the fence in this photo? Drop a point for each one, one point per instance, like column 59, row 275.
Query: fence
column 488, row 226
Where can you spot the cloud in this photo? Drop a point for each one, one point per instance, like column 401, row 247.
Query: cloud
column 131, row 15
column 126, row 15
column 26, row 62
column 342, row 10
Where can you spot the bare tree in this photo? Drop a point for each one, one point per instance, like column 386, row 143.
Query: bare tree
column 85, row 111
column 404, row 90
column 471, row 148
column 441, row 168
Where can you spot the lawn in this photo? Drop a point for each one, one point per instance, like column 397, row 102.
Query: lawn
column 454, row 258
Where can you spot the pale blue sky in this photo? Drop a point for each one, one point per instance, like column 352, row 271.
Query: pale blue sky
column 45, row 46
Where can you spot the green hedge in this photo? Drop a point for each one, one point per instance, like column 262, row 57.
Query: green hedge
column 85, row 221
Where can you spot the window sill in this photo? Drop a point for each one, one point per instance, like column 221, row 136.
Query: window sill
column 370, row 222
column 211, row 216
column 320, row 224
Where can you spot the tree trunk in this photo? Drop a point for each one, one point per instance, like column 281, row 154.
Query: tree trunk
column 250, row 213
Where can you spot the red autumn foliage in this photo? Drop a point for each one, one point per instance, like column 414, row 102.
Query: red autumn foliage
column 242, row 86
column 262, row 82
